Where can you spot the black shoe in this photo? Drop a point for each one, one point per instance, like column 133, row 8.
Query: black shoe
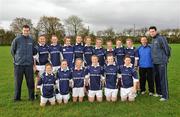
column 36, row 96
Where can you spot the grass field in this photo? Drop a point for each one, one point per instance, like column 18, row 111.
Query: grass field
column 144, row 106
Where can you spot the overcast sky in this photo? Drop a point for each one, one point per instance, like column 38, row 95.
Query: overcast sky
column 97, row 14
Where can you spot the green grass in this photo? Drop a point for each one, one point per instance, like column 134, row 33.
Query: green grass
column 144, row 106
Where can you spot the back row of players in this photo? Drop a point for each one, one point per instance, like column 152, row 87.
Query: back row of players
column 84, row 64
column 54, row 52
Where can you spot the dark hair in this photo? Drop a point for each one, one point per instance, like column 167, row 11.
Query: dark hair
column 143, row 37
column 53, row 35
column 153, row 27
column 127, row 56
column 26, row 26
column 109, row 55
column 64, row 60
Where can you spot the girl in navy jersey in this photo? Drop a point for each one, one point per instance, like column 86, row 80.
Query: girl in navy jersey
column 94, row 77
column 68, row 52
column 111, row 79
column 78, row 76
column 47, row 84
column 119, row 52
column 63, row 80
column 55, row 53
column 129, row 80
column 100, row 51
column 88, row 51
column 79, row 48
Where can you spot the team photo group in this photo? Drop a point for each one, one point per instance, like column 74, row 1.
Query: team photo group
column 117, row 71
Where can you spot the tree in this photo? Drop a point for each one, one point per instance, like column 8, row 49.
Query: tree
column 100, row 33
column 84, row 32
column 74, row 25
column 6, row 37
column 50, row 25
column 17, row 24
column 109, row 33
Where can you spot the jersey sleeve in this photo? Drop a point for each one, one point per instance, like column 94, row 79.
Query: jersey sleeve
column 39, row 82
column 134, row 75
column 87, row 72
column 136, row 54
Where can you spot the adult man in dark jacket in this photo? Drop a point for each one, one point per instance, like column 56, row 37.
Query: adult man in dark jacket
column 160, row 54
column 22, row 50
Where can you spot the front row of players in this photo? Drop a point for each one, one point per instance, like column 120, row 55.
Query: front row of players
column 56, row 87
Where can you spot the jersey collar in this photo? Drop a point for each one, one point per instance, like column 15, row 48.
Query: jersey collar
column 111, row 49
column 79, row 44
column 65, row 70
column 129, row 66
column 131, row 47
column 98, row 47
column 66, row 45
column 80, row 68
column 111, row 64
column 96, row 65
column 120, row 46
column 41, row 44
column 48, row 74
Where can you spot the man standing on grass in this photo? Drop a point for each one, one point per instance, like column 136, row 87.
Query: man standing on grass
column 145, row 66
column 22, row 50
column 160, row 54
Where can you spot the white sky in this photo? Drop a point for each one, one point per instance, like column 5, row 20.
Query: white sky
column 97, row 14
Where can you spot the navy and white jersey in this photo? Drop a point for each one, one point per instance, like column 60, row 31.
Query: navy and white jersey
column 63, row 77
column 78, row 77
column 94, row 73
column 47, row 84
column 132, row 53
column 100, row 52
column 111, row 75
column 55, row 54
column 128, row 76
column 68, row 54
column 88, row 52
column 42, row 56
column 79, row 51
column 119, row 55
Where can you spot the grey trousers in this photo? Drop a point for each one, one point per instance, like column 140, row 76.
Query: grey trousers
column 161, row 80
column 19, row 72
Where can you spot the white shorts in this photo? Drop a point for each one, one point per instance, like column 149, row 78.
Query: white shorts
column 62, row 97
column 97, row 93
column 55, row 69
column 111, row 92
column 41, row 69
column 78, row 92
column 127, row 92
column 45, row 100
